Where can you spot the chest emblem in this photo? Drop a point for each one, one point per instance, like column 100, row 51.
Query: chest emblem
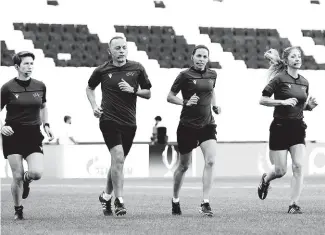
column 130, row 74
column 110, row 75
column 16, row 95
column 303, row 88
column 36, row 95
column 289, row 85
column 194, row 81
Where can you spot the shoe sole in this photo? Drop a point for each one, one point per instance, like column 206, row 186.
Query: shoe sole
column 26, row 192
column 120, row 212
column 261, row 195
column 107, row 213
column 176, row 213
column 295, row 213
column 209, row 214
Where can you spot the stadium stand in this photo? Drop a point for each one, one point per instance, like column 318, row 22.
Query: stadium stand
column 85, row 48
column 6, row 55
column 163, row 45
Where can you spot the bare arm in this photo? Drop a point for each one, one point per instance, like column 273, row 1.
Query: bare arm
column 270, row 102
column 214, row 101
column 73, row 140
column 91, row 97
column 44, row 114
column 44, row 118
column 172, row 98
column 144, row 93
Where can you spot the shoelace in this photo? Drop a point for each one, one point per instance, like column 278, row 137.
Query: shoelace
column 105, row 205
column 297, row 208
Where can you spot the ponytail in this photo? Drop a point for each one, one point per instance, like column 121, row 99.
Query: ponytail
column 275, row 69
column 277, row 65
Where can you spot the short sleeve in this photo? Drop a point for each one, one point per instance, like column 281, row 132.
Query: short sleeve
column 271, row 86
column 94, row 79
column 4, row 96
column 178, row 83
column 44, row 94
column 143, row 79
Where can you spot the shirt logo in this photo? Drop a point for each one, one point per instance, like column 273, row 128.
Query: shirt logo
column 16, row 95
column 289, row 85
column 304, row 88
column 130, row 74
column 36, row 95
column 110, row 75
column 194, row 81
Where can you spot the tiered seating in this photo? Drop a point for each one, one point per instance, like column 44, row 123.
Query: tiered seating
column 6, row 55
column 317, row 35
column 85, row 48
column 161, row 43
column 250, row 44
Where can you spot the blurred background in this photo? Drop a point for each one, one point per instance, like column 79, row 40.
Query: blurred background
column 70, row 38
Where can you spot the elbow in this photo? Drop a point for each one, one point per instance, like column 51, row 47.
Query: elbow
column 262, row 101
column 169, row 98
column 149, row 95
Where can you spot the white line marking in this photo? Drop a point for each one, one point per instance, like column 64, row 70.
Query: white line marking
column 162, row 186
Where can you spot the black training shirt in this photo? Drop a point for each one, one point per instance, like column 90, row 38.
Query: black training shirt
column 23, row 101
column 284, row 86
column 189, row 82
column 117, row 105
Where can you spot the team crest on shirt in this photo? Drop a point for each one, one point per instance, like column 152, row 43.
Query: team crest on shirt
column 130, row 74
column 110, row 75
column 304, row 88
column 289, row 85
column 194, row 81
column 36, row 95
column 16, row 95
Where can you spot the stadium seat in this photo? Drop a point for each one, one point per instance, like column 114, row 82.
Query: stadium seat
column 65, row 38
column 160, row 43
column 6, row 55
column 255, row 42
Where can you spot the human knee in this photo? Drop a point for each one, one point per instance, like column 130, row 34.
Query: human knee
column 210, row 162
column 35, row 174
column 183, row 166
column 18, row 176
column 280, row 171
column 297, row 169
column 118, row 159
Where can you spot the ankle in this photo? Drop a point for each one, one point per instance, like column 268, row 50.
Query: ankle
column 120, row 199
column 106, row 196
column 175, row 200
column 17, row 208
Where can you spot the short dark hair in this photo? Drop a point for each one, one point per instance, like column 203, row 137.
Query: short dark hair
column 158, row 118
column 113, row 38
column 200, row 47
column 66, row 118
column 17, row 58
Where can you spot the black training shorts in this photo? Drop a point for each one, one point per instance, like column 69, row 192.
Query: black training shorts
column 189, row 138
column 286, row 133
column 25, row 141
column 115, row 134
